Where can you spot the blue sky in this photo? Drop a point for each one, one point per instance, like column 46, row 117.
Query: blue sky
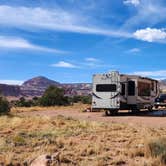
column 69, row 40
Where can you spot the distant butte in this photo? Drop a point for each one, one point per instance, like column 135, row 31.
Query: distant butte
column 37, row 85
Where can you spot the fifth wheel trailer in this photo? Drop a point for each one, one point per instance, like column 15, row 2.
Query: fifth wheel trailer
column 114, row 91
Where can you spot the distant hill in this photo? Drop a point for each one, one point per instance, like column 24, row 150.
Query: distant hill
column 10, row 90
column 163, row 85
column 77, row 88
column 39, row 81
column 163, row 81
column 37, row 85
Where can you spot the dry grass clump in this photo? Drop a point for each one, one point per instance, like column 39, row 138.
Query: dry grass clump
column 78, row 142
column 151, row 149
column 27, row 137
column 76, row 106
column 119, row 161
column 156, row 149
column 22, row 139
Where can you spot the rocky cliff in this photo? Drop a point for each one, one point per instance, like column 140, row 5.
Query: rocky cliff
column 10, row 90
column 36, row 87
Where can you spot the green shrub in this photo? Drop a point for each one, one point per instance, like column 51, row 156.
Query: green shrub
column 76, row 99
column 19, row 140
column 54, row 96
column 35, row 101
column 4, row 106
column 82, row 99
column 22, row 102
column 86, row 99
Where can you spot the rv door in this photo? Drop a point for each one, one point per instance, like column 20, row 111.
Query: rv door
column 131, row 89
column 115, row 95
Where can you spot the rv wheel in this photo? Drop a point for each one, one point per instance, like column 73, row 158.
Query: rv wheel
column 111, row 112
column 107, row 112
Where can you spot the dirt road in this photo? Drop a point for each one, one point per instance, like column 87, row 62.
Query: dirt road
column 154, row 119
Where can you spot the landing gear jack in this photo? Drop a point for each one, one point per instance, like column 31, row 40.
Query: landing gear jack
column 135, row 110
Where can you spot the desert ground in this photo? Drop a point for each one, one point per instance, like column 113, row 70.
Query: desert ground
column 75, row 137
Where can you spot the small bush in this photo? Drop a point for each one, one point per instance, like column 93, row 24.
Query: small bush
column 22, row 102
column 82, row 99
column 19, row 140
column 54, row 96
column 4, row 106
column 157, row 149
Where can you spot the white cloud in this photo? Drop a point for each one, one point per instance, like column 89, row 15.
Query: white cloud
column 57, row 19
column 150, row 34
column 133, row 2
column 64, row 65
column 90, row 59
column 134, row 50
column 148, row 13
column 11, row 82
column 93, row 63
column 86, row 63
column 154, row 74
column 20, row 43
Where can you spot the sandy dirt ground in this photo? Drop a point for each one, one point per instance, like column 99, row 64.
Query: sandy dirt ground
column 156, row 119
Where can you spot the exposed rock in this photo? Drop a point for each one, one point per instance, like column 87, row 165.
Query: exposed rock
column 10, row 90
column 46, row 160
column 81, row 89
column 37, row 86
column 43, row 160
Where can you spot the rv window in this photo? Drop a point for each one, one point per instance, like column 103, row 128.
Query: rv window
column 152, row 85
column 131, row 88
column 106, row 88
column 156, row 87
column 123, row 88
column 144, row 89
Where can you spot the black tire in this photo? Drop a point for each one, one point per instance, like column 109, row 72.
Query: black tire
column 111, row 112
column 150, row 108
column 107, row 112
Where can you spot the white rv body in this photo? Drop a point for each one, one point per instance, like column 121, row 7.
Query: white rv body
column 114, row 91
